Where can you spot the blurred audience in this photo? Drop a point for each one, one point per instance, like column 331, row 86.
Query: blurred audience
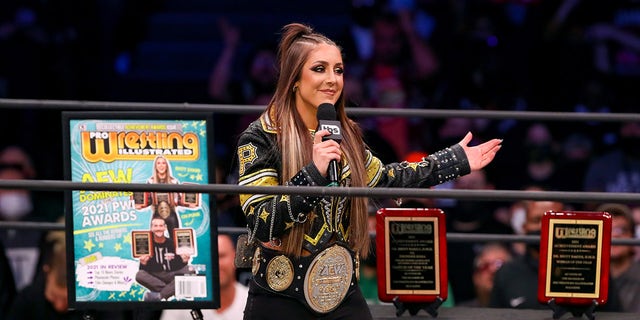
column 46, row 297
column 227, row 205
column 470, row 216
column 624, row 268
column 487, row 262
column 573, row 55
column 392, row 76
column 516, row 282
column 573, row 160
column 368, row 280
column 614, row 36
column 619, row 169
column 245, row 74
column 21, row 246
column 542, row 155
column 7, row 284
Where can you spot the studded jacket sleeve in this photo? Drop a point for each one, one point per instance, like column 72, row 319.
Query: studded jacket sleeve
column 444, row 165
column 269, row 216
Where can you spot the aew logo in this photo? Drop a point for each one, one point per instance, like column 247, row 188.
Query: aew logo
column 333, row 129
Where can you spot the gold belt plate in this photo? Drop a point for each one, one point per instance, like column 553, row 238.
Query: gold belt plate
column 255, row 263
column 279, row 273
column 328, row 279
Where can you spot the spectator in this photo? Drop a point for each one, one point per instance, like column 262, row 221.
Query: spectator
column 625, row 270
column 470, row 216
column 228, row 205
column 7, row 284
column 252, row 85
column 531, row 160
column 543, row 153
column 158, row 270
column 614, row 37
column 577, row 151
column 619, row 169
column 46, row 297
column 255, row 84
column 450, row 130
column 399, row 63
column 486, row 263
column 22, row 248
column 516, row 283
column 233, row 295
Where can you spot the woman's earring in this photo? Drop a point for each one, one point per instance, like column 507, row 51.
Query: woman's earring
column 295, row 88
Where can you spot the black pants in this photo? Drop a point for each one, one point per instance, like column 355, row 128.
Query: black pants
column 263, row 305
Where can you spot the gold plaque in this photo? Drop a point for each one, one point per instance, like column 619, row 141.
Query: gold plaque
column 141, row 243
column 255, row 265
column 183, row 239
column 190, row 198
column 161, row 196
column 328, row 279
column 140, row 198
column 574, row 259
column 279, row 273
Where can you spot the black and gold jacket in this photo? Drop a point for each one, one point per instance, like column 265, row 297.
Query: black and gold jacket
column 270, row 216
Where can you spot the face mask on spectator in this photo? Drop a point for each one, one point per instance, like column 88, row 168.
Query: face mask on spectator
column 14, row 205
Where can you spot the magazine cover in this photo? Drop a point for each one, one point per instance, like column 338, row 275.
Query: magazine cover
column 140, row 247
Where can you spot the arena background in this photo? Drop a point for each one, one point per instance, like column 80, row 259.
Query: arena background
column 523, row 62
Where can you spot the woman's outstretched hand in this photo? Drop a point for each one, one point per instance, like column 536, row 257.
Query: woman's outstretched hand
column 481, row 155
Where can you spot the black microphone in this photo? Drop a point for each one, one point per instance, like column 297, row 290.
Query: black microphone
column 327, row 121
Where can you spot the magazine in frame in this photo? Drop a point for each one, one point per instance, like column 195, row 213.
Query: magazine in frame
column 119, row 243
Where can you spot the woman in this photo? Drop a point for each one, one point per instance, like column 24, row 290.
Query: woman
column 308, row 246
column 161, row 174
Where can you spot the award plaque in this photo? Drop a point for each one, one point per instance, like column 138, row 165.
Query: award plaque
column 574, row 258
column 161, row 196
column 190, row 199
column 140, row 198
column 183, row 239
column 411, row 255
column 141, row 243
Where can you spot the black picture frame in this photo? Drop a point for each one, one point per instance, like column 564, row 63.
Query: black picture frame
column 74, row 255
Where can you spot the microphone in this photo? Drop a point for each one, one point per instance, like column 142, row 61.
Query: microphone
column 327, row 121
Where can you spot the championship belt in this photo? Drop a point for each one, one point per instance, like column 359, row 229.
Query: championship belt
column 255, row 263
column 328, row 279
column 245, row 252
column 279, row 273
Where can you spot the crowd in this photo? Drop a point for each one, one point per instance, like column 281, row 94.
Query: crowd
column 576, row 56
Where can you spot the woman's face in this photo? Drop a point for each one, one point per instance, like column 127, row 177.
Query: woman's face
column 161, row 165
column 321, row 79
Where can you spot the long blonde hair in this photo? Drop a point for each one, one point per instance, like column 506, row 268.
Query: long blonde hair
column 154, row 175
column 294, row 140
